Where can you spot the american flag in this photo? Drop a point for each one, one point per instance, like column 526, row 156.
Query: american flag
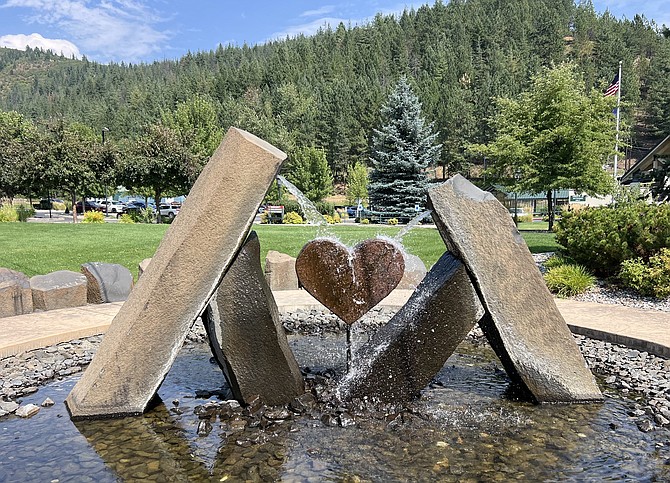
column 613, row 88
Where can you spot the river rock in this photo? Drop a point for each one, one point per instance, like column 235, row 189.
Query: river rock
column 403, row 356
column 280, row 271
column 349, row 281
column 58, row 290
column 8, row 406
column 525, row 328
column 198, row 247
column 246, row 334
column 107, row 282
column 16, row 297
column 27, row 410
column 142, row 267
column 415, row 271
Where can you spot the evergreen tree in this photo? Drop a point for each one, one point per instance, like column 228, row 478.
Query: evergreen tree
column 309, row 171
column 402, row 150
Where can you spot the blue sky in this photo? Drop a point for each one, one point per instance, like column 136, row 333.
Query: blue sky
column 148, row 30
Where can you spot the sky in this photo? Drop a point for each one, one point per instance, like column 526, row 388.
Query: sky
column 149, row 30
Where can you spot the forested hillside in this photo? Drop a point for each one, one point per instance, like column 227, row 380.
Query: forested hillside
column 326, row 90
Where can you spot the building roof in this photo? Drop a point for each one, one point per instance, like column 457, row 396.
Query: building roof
column 646, row 163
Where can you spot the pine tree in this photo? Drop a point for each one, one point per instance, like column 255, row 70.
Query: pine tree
column 401, row 151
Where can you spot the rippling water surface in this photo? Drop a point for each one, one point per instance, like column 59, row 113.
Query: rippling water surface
column 464, row 428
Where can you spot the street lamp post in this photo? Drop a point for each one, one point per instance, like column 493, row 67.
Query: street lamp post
column 517, row 176
column 105, row 130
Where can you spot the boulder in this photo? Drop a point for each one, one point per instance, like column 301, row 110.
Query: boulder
column 524, row 325
column 58, row 290
column 247, row 336
column 415, row 271
column 401, row 358
column 142, row 267
column 107, row 282
column 280, row 271
column 16, row 297
column 195, row 253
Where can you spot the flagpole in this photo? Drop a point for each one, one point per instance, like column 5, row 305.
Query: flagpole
column 618, row 118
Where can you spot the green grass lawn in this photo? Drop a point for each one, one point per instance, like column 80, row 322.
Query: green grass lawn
column 39, row 248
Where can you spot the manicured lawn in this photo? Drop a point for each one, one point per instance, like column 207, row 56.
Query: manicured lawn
column 39, row 248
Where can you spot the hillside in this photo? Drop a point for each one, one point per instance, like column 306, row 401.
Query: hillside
column 326, row 89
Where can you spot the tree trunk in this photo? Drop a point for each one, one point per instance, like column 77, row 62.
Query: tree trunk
column 73, row 197
column 550, row 209
column 157, row 200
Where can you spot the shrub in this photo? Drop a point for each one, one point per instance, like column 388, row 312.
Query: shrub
column 651, row 278
column 292, row 218
column 57, row 205
column 527, row 218
column 325, row 208
column 568, row 279
column 392, row 221
column 24, row 212
column 557, row 261
column 94, row 217
column 126, row 218
column 265, row 218
column 8, row 214
column 602, row 238
column 142, row 215
column 365, row 221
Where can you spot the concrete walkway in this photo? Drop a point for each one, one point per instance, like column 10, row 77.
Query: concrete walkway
column 645, row 330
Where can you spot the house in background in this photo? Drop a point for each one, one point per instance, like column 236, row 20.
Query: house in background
column 640, row 172
column 537, row 203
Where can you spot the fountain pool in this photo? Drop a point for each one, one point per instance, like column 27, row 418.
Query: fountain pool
column 463, row 428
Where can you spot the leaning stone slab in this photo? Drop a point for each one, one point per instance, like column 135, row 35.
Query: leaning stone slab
column 16, row 297
column 247, row 336
column 146, row 334
column 525, row 328
column 142, row 267
column 58, row 290
column 107, row 282
column 402, row 357
column 280, row 271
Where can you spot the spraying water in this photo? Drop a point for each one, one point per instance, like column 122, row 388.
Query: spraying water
column 312, row 215
column 412, row 223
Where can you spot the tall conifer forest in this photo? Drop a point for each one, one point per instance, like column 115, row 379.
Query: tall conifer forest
column 326, row 90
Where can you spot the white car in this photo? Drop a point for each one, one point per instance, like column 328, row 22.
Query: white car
column 169, row 211
column 112, row 206
column 519, row 212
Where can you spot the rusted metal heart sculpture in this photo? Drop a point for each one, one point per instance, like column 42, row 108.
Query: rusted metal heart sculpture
column 349, row 281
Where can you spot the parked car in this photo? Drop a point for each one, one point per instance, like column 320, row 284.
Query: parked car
column 113, row 206
column 89, row 205
column 519, row 212
column 47, row 203
column 351, row 211
column 169, row 210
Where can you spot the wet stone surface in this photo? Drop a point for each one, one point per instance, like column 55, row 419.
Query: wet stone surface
column 463, row 428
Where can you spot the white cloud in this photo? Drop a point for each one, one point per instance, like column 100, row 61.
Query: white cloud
column 104, row 29
column 58, row 46
column 309, row 28
column 326, row 9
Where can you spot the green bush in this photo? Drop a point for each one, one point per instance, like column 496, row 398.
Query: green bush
column 142, row 215
column 392, row 221
column 94, row 217
column 602, row 238
column 650, row 278
column 557, row 260
column 24, row 212
column 8, row 214
column 365, row 221
column 292, row 218
column 56, row 205
column 325, row 208
column 126, row 218
column 527, row 218
column 568, row 279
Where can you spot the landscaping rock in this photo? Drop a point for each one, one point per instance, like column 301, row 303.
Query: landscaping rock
column 401, row 358
column 280, row 271
column 145, row 336
column 107, row 282
column 58, row 290
column 142, row 267
column 415, row 271
column 525, row 328
column 246, row 334
column 15, row 295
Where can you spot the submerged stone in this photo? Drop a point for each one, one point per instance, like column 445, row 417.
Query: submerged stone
column 107, row 282
column 16, row 297
column 146, row 334
column 403, row 356
column 525, row 328
column 246, row 334
column 349, row 282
